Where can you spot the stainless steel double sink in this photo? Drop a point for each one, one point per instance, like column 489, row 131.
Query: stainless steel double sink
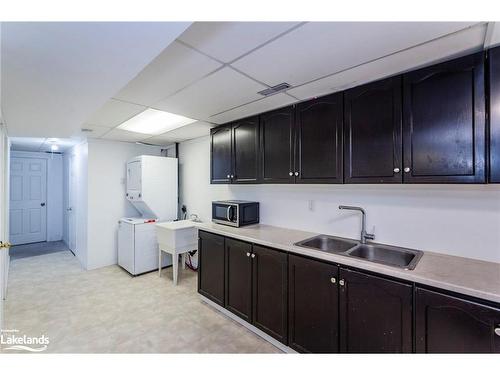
column 383, row 254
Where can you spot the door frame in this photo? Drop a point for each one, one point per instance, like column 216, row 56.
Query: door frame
column 71, row 202
column 4, row 215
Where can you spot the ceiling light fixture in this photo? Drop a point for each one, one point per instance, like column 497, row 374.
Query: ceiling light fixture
column 154, row 122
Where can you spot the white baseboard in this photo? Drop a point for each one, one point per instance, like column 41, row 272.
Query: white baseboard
column 247, row 325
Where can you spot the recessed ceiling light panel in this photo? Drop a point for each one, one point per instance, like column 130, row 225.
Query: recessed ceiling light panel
column 154, row 122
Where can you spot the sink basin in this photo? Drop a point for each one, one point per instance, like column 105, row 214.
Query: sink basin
column 326, row 243
column 388, row 255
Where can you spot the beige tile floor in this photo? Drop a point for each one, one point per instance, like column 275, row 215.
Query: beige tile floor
column 108, row 311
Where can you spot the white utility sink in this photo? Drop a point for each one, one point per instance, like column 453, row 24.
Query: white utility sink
column 175, row 238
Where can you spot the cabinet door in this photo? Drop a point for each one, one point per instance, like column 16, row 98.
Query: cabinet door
column 277, row 146
column 220, row 155
column 211, row 266
column 239, row 278
column 373, row 146
column 444, row 123
column 318, row 156
column 270, row 292
column 313, row 312
column 375, row 314
column 494, row 107
column 446, row 324
column 246, row 151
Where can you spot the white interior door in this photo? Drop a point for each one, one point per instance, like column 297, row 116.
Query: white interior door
column 4, row 224
column 71, row 205
column 28, row 198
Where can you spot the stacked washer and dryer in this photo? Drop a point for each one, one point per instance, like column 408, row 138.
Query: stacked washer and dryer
column 152, row 189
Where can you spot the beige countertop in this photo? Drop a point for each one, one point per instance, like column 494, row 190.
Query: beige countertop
column 467, row 276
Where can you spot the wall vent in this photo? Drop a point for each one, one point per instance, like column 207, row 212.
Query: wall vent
column 275, row 89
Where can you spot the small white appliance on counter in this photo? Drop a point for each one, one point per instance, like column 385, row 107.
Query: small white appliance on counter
column 152, row 189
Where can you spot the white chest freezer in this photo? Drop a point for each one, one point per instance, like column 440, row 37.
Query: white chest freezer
column 138, row 247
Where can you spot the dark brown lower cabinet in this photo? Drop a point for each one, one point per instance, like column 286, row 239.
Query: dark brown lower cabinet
column 239, row 278
column 313, row 309
column 211, row 260
column 375, row 314
column 447, row 324
column 270, row 279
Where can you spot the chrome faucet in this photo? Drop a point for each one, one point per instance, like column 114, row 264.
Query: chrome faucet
column 364, row 236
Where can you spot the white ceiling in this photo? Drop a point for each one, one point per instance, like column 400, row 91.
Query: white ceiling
column 213, row 71
column 40, row 144
column 54, row 74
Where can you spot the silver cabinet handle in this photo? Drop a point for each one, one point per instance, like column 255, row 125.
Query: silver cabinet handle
column 232, row 176
column 253, row 255
column 341, row 282
column 497, row 331
column 333, row 280
column 290, row 173
column 296, row 173
column 396, row 170
column 228, row 176
column 407, row 169
column 248, row 254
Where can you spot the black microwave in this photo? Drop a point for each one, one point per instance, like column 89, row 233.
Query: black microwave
column 235, row 213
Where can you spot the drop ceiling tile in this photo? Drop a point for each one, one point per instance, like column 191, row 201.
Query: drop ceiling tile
column 262, row 105
column 114, row 112
column 194, row 130
column 220, row 91
column 26, row 143
column 175, row 68
column 461, row 43
column 124, row 136
column 228, row 40
column 161, row 140
column 97, row 131
column 317, row 49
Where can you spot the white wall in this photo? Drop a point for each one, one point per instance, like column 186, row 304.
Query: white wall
column 461, row 220
column 80, row 209
column 54, row 191
column 106, row 196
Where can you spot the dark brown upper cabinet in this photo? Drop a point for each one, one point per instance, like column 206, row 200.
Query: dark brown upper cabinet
column 269, row 292
column 211, row 250
column 245, row 153
column 313, row 305
column 494, row 106
column 235, row 152
column 376, row 314
column 372, row 125
column 220, row 155
column 318, row 134
column 239, row 278
column 446, row 324
column 444, row 123
column 277, row 146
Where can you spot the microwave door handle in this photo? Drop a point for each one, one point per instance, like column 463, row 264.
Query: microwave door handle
column 228, row 213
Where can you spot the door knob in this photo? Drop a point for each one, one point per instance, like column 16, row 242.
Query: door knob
column 341, row 282
column 290, row 173
column 407, row 169
column 396, row 170
column 333, row 280
column 497, row 331
column 42, row 204
column 232, row 176
column 296, row 173
column 228, row 176
column 248, row 254
column 253, row 255
column 5, row 245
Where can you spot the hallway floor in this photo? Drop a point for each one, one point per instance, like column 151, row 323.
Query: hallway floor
column 108, row 311
column 36, row 249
